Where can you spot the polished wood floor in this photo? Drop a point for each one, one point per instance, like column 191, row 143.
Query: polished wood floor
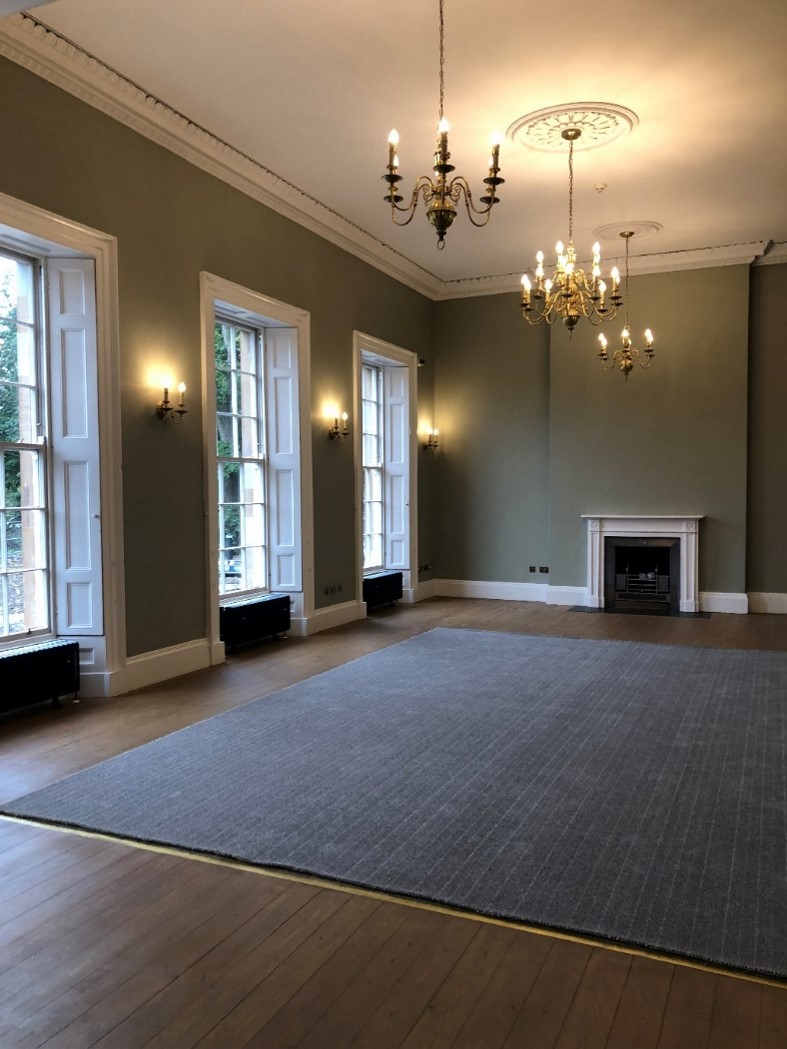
column 111, row 945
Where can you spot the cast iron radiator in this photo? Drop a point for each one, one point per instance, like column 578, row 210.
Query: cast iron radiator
column 245, row 621
column 382, row 588
column 36, row 673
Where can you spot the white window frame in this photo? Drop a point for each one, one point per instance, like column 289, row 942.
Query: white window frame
column 376, row 468
column 404, row 363
column 258, row 462
column 38, row 447
column 224, row 298
column 34, row 232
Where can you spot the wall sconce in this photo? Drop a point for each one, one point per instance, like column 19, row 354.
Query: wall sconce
column 338, row 432
column 431, row 440
column 166, row 410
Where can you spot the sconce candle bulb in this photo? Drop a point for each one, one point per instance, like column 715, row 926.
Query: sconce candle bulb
column 166, row 410
column 337, row 431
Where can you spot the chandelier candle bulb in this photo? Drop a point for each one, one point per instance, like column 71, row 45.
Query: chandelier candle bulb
column 393, row 142
column 442, row 193
column 625, row 357
column 571, row 293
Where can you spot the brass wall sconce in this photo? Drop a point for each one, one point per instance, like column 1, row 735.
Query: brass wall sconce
column 431, row 441
column 339, row 430
column 165, row 409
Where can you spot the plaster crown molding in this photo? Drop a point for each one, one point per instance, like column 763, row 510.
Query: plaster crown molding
column 665, row 262
column 37, row 48
column 34, row 46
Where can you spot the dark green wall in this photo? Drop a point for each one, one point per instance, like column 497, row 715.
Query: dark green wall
column 539, row 437
column 767, row 561
column 492, row 408
column 531, row 436
column 171, row 221
column 669, row 440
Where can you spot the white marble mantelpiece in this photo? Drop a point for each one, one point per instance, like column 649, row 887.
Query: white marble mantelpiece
column 684, row 527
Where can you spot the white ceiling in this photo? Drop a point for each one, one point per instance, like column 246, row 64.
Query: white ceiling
column 310, row 89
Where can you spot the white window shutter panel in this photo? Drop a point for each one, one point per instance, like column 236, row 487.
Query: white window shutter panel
column 75, row 446
column 397, row 459
column 283, row 450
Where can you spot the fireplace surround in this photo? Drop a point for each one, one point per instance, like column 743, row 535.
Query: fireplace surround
column 684, row 528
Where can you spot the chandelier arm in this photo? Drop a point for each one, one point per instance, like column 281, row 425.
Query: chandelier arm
column 458, row 188
column 424, row 184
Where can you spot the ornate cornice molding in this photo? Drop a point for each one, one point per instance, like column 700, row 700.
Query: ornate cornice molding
column 31, row 44
column 34, row 46
column 666, row 262
column 775, row 254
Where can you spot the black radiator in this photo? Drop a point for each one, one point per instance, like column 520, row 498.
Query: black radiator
column 382, row 588
column 245, row 621
column 36, row 673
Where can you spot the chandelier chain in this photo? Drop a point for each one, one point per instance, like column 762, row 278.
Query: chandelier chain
column 571, row 191
column 627, row 235
column 442, row 61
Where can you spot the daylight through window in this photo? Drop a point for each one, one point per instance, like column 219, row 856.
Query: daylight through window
column 24, row 563
column 240, row 449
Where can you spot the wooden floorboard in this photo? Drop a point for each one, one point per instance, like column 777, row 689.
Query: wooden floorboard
column 104, row 944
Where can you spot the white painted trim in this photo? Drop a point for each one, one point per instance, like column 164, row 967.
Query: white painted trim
column 335, row 615
column 494, row 591
column 34, row 46
column 776, row 254
column 566, row 595
column 774, row 603
column 666, row 262
column 30, row 44
column 217, row 289
column 51, row 234
column 684, row 527
column 424, row 591
column 388, row 352
column 161, row 664
column 738, row 604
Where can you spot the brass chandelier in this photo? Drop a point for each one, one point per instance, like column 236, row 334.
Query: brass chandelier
column 441, row 194
column 625, row 357
column 570, row 293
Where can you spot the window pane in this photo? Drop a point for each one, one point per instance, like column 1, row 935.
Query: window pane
column 371, row 450
column 26, row 603
column 252, row 483
column 229, row 527
column 249, row 438
column 223, row 402
column 22, row 479
column 255, row 574
column 229, row 483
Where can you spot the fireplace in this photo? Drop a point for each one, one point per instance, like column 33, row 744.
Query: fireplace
column 642, row 575
column 682, row 534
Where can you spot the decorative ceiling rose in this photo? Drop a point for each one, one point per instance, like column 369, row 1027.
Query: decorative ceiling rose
column 599, row 123
column 613, row 230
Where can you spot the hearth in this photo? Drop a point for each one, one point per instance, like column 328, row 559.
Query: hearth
column 642, row 575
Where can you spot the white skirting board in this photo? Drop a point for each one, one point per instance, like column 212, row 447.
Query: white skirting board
column 736, row 604
column 149, row 668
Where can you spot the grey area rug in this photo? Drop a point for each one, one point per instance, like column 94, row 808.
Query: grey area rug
column 629, row 791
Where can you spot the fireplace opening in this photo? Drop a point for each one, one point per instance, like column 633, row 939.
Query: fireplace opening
column 642, row 575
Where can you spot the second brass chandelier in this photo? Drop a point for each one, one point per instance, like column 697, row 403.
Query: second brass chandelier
column 570, row 293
